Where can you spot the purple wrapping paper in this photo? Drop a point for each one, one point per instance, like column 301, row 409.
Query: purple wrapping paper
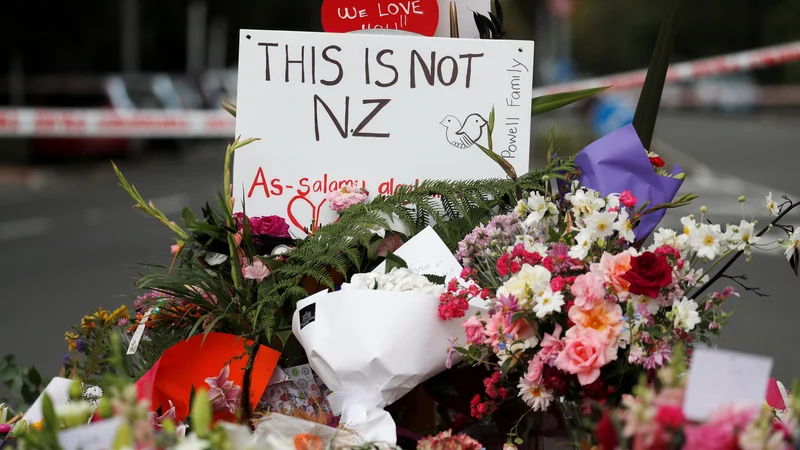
column 617, row 162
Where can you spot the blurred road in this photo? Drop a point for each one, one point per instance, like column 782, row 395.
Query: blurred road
column 74, row 244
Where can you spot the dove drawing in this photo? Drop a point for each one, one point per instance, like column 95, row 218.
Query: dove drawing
column 464, row 135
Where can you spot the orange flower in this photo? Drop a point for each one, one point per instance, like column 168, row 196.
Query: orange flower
column 611, row 269
column 308, row 441
column 605, row 317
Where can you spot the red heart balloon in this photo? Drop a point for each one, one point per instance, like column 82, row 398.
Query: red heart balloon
column 418, row 16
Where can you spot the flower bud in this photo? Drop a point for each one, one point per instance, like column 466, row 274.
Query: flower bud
column 703, row 209
column 20, row 428
column 509, row 446
column 713, row 326
column 546, row 178
column 3, row 413
column 680, row 176
column 201, row 414
column 105, row 409
column 742, row 199
column 75, row 391
column 168, row 425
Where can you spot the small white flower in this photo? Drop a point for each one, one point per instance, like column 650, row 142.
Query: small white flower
column 534, row 395
column 583, row 242
column 652, row 305
column 612, row 202
column 792, row 243
column 707, row 241
column 665, row 236
column 600, row 224
column 772, row 208
column 538, row 209
column 522, row 208
column 585, row 202
column 215, row 259
column 744, row 237
column 624, row 227
column 548, row 302
column 689, row 225
column 684, row 314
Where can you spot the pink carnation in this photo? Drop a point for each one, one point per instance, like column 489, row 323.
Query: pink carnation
column 551, row 346
column 474, row 330
column 499, row 328
column 588, row 289
column 346, row 197
column 585, row 353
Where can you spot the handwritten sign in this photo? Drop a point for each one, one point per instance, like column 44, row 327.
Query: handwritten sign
column 719, row 379
column 418, row 16
column 426, row 254
column 372, row 111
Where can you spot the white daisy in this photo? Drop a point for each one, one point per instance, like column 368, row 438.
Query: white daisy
column 707, row 241
column 624, row 227
column 665, row 236
column 534, row 395
column 744, row 237
column 548, row 302
column 600, row 224
column 585, row 202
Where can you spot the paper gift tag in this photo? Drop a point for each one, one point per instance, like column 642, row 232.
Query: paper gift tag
column 721, row 378
column 58, row 390
column 427, row 254
column 97, row 436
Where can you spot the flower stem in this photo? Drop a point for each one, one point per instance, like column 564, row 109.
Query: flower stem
column 730, row 262
column 247, row 408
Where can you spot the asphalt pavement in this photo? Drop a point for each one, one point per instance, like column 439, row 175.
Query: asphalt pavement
column 72, row 242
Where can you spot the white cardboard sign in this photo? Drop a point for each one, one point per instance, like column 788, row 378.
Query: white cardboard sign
column 722, row 378
column 371, row 111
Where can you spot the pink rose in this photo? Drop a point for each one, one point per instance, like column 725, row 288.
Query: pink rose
column 535, row 367
column 588, row 289
column 551, row 346
column 611, row 268
column 712, row 436
column 346, row 197
column 474, row 330
column 585, row 352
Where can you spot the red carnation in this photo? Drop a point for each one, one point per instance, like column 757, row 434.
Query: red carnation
column 648, row 274
column 657, row 161
column 606, row 433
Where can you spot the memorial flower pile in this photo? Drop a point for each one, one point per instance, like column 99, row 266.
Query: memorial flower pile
column 577, row 313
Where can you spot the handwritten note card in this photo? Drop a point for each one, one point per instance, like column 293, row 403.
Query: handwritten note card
column 427, row 254
column 372, row 111
column 721, row 378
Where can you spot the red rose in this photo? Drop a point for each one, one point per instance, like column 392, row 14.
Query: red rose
column 648, row 274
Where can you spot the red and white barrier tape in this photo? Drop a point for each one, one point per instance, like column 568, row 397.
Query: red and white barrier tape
column 26, row 122
column 735, row 62
column 115, row 123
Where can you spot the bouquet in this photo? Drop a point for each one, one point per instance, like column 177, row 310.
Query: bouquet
column 376, row 339
column 578, row 314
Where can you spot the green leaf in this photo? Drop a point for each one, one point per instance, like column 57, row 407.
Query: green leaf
column 518, row 441
column 644, row 120
column 491, row 121
column 284, row 336
column 545, row 103
column 435, row 279
column 394, row 261
column 188, row 217
column 51, row 423
column 230, row 107
column 34, row 377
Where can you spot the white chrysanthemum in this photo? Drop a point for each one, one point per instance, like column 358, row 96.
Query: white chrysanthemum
column 707, row 241
column 534, row 395
column 585, row 202
column 791, row 244
column 547, row 303
column 624, row 227
column 600, row 224
column 744, row 237
column 772, row 208
column 530, row 281
column 583, row 242
column 684, row 314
